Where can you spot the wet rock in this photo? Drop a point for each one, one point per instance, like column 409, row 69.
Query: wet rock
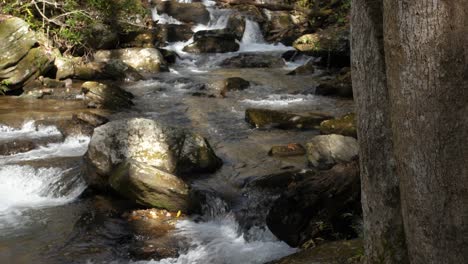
column 16, row 146
column 145, row 60
column 306, row 69
column 234, row 84
column 94, row 120
column 74, row 127
column 325, row 205
column 36, row 62
column 149, row 186
column 325, row 151
column 337, row 86
column 331, row 45
column 293, row 149
column 138, row 39
column 52, row 83
column 169, row 55
column 212, row 41
column 336, row 252
column 75, row 67
column 166, row 33
column 186, row 12
column 279, row 181
column 265, row 118
column 345, row 125
column 102, row 95
column 251, row 60
column 236, row 25
column 173, row 150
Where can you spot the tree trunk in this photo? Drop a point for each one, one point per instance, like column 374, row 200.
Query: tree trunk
column 383, row 224
column 427, row 71
column 410, row 79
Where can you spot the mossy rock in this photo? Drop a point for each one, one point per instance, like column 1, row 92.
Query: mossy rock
column 266, row 118
column 331, row 45
column 104, row 96
column 150, row 187
column 345, row 125
column 16, row 40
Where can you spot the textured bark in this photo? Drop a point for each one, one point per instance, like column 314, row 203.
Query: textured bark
column 427, row 71
column 383, row 225
column 410, row 75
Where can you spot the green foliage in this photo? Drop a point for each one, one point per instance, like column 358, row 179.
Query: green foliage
column 68, row 22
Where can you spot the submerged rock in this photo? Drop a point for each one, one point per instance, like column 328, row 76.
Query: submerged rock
column 252, row 60
column 101, row 95
column 170, row 149
column 325, row 151
column 149, row 186
column 234, row 84
column 306, row 69
column 213, row 41
column 145, row 60
column 345, row 125
column 265, row 118
column 324, row 205
column 293, row 149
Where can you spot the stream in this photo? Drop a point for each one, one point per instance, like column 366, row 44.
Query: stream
column 48, row 216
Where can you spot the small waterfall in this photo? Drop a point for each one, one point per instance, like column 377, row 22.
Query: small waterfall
column 253, row 40
column 25, row 187
column 252, row 33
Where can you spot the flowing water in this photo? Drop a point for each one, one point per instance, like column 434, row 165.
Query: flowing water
column 46, row 217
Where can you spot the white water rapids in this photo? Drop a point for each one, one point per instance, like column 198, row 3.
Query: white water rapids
column 24, row 187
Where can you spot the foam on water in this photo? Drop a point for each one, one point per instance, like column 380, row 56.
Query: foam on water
column 221, row 241
column 28, row 130
column 72, row 147
column 29, row 187
column 281, row 100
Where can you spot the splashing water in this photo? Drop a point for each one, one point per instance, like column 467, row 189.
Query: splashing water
column 253, row 39
column 221, row 241
column 28, row 130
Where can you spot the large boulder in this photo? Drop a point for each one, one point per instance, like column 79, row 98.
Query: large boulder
column 266, row 118
column 16, row 42
column 186, row 12
column 145, row 60
column 253, row 60
column 325, row 151
column 170, row 149
column 213, row 41
column 323, row 205
column 236, row 25
column 149, row 186
column 331, row 44
column 21, row 59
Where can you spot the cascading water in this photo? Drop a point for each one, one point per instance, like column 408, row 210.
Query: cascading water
column 25, row 187
column 253, row 40
column 220, row 239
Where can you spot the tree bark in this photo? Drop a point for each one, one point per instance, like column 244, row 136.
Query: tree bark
column 410, row 79
column 427, row 71
column 383, row 224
